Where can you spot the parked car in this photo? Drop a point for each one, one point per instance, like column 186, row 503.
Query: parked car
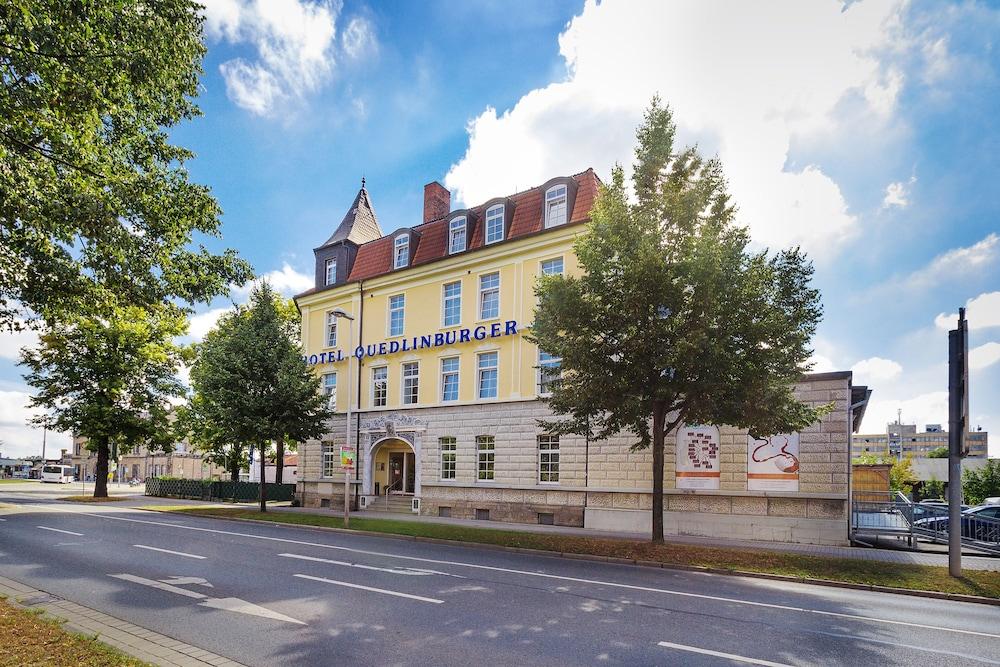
column 981, row 523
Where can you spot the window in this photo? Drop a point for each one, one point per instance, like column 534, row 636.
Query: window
column 555, row 206
column 487, row 363
column 331, row 330
column 331, row 271
column 449, row 379
column 401, row 251
column 552, row 267
column 330, row 388
column 397, row 307
column 448, row 455
column 329, row 459
column 411, row 382
column 380, row 386
column 486, row 456
column 549, row 371
column 494, row 224
column 489, row 296
column 452, row 305
column 548, row 459
column 456, row 235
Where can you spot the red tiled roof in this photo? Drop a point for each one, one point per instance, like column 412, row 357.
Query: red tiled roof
column 375, row 258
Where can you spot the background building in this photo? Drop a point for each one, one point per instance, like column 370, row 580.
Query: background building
column 445, row 391
column 181, row 462
column 900, row 440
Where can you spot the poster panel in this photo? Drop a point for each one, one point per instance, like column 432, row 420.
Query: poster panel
column 773, row 463
column 697, row 460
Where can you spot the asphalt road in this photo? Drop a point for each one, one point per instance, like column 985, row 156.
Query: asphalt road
column 266, row 595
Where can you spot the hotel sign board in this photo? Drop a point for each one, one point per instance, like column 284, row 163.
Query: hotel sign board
column 697, row 460
column 773, row 462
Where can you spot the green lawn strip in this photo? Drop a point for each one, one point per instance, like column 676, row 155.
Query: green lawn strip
column 874, row 573
column 92, row 499
column 19, row 481
column 29, row 638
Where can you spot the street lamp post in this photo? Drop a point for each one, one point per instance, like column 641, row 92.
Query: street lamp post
column 340, row 313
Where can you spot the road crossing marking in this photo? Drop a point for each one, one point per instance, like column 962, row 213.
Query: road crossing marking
column 60, row 530
column 727, row 656
column 285, row 540
column 370, row 588
column 168, row 551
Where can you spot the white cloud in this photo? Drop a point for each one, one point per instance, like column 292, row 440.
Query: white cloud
column 982, row 312
column 12, row 342
column 202, row 323
column 929, row 408
column 938, row 61
column 983, row 356
column 17, row 437
column 955, row 263
column 358, row 38
column 747, row 100
column 294, row 42
column 820, row 364
column 286, row 280
column 897, row 194
column 874, row 370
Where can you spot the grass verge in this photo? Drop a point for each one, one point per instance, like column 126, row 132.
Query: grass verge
column 92, row 499
column 871, row 573
column 18, row 481
column 31, row 639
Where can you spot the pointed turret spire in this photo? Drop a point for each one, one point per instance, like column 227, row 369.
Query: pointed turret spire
column 360, row 225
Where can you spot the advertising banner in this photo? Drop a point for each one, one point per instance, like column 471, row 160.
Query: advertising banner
column 347, row 458
column 697, row 460
column 773, row 463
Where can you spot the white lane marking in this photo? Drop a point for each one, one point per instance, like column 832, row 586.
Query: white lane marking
column 3, row 519
column 413, row 571
column 727, row 656
column 226, row 604
column 168, row 551
column 286, row 540
column 59, row 530
column 369, row 588
column 965, row 656
column 180, row 581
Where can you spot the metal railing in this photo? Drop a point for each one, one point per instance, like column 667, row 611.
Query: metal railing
column 913, row 521
column 389, row 489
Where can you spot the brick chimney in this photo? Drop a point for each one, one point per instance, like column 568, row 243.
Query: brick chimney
column 437, row 201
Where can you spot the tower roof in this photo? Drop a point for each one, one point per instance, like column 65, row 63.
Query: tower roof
column 360, row 224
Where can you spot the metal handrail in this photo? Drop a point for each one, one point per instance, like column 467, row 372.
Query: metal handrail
column 929, row 522
column 390, row 488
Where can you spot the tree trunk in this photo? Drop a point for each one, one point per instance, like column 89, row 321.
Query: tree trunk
column 234, row 473
column 279, row 460
column 658, row 417
column 101, row 473
column 263, row 481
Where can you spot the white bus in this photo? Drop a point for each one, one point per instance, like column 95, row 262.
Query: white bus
column 58, row 474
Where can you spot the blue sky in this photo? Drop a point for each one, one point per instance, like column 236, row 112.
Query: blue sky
column 865, row 133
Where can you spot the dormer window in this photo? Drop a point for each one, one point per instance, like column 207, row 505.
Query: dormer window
column 401, row 251
column 494, row 224
column 555, row 206
column 456, row 235
column 331, row 271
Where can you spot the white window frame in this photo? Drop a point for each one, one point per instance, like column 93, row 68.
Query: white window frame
column 553, row 197
column 458, row 228
column 385, row 389
column 445, row 299
column 328, row 460
column 486, row 458
column 448, row 446
column 401, row 251
column 445, row 374
column 552, row 260
column 484, row 291
column 331, row 263
column 491, row 217
column 543, row 363
column 410, row 382
column 547, row 466
column 330, row 389
column 401, row 309
column 331, row 329
column 481, row 369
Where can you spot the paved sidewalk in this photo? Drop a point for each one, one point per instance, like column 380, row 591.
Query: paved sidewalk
column 860, row 553
column 138, row 642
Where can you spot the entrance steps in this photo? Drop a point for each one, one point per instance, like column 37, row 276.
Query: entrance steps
column 392, row 505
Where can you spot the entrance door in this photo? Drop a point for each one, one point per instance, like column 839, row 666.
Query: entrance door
column 411, row 472
column 396, row 471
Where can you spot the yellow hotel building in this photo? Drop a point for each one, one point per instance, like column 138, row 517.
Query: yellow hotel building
column 418, row 335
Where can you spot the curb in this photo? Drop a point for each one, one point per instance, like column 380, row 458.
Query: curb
column 937, row 595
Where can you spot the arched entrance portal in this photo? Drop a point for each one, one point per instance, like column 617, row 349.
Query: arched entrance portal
column 394, row 467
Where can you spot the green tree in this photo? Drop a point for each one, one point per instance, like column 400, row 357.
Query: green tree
column 109, row 379
column 97, row 208
column 250, row 380
column 978, row 485
column 209, row 434
column 674, row 320
column 901, row 475
column 938, row 453
column 932, row 488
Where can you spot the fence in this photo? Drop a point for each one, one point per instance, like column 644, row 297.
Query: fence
column 197, row 489
column 924, row 521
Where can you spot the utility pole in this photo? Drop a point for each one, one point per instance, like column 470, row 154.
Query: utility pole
column 958, row 412
column 340, row 313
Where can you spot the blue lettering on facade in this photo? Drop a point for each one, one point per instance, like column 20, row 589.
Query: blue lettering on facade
column 438, row 339
column 393, row 347
column 511, row 328
column 406, row 344
column 479, row 333
column 494, row 330
column 425, row 341
column 312, row 360
column 449, row 337
column 463, row 336
column 359, row 352
column 381, row 349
